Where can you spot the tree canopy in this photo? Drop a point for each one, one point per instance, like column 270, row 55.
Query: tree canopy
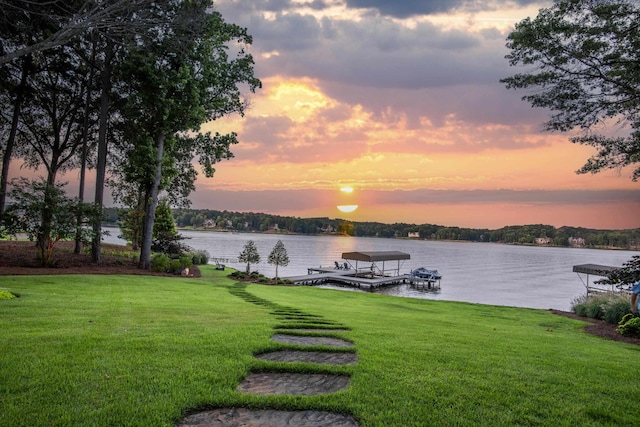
column 582, row 60
column 181, row 75
column 122, row 86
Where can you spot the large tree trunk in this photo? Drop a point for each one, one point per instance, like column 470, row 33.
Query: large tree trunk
column 8, row 152
column 101, row 166
column 150, row 212
column 137, row 231
column 83, row 166
column 45, row 240
column 79, row 218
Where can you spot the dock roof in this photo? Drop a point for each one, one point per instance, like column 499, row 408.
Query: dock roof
column 598, row 270
column 376, row 256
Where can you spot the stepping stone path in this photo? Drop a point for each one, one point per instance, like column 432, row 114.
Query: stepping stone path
column 289, row 383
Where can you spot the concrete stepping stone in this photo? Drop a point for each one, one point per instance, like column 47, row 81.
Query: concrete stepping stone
column 278, row 383
column 322, row 357
column 296, row 329
column 305, row 340
column 234, row 417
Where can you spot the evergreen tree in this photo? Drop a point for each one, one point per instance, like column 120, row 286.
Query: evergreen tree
column 250, row 255
column 278, row 256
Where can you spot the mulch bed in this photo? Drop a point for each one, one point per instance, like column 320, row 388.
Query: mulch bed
column 21, row 258
column 600, row 328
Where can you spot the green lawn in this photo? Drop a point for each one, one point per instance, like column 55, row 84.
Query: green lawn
column 145, row 351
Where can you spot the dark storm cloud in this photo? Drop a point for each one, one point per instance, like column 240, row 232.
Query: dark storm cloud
column 371, row 52
column 424, row 71
column 410, row 8
column 287, row 33
column 378, row 53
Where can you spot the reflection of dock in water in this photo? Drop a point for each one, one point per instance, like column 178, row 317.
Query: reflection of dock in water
column 371, row 276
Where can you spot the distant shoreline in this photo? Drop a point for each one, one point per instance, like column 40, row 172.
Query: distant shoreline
column 334, row 234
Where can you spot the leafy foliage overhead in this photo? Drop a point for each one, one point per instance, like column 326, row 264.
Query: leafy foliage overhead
column 583, row 63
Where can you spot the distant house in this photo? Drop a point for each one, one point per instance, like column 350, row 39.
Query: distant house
column 576, row 241
column 414, row 235
column 209, row 223
column 543, row 241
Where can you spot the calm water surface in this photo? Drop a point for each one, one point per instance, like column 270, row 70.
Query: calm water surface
column 486, row 273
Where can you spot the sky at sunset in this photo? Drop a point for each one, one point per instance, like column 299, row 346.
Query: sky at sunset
column 401, row 101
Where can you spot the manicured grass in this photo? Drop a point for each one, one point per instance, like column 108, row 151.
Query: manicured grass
column 144, row 351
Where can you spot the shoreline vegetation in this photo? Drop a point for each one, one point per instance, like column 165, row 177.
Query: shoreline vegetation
column 149, row 350
column 534, row 235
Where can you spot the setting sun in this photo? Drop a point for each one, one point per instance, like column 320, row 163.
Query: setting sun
column 347, row 208
column 346, row 196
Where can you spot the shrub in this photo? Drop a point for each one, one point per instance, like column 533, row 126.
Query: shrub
column 610, row 307
column 629, row 326
column 176, row 265
column 238, row 275
column 199, row 257
column 578, row 305
column 616, row 308
column 160, row 262
column 185, row 261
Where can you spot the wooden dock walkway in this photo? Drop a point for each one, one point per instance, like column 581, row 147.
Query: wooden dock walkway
column 361, row 280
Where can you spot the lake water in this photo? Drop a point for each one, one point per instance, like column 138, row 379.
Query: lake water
column 486, row 273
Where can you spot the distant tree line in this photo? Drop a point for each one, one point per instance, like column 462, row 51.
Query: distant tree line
column 537, row 234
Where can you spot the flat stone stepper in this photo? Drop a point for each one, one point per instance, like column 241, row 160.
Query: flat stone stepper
column 321, row 357
column 308, row 340
column 279, row 383
column 235, row 417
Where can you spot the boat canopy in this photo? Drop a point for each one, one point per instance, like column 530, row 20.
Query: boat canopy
column 376, row 256
column 595, row 269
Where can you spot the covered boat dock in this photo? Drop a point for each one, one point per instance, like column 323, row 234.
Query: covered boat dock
column 595, row 270
column 376, row 263
column 364, row 270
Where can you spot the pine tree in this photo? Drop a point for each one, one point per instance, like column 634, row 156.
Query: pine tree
column 278, row 256
column 250, row 255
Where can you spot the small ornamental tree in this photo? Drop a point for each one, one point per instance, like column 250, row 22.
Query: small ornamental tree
column 166, row 239
column 35, row 200
column 278, row 256
column 250, row 255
